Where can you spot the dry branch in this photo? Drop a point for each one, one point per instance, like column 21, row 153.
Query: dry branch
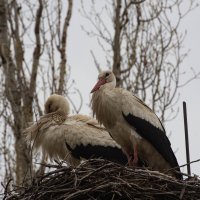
column 100, row 179
column 63, row 47
column 37, row 50
column 143, row 46
column 30, row 71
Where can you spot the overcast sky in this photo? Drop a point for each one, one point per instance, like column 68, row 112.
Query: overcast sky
column 85, row 74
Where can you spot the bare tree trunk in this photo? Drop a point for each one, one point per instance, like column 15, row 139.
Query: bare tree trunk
column 21, row 80
column 19, row 95
column 13, row 94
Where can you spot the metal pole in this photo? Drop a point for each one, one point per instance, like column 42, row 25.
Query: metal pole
column 186, row 138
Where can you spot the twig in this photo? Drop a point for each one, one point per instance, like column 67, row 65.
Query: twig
column 106, row 180
column 6, row 189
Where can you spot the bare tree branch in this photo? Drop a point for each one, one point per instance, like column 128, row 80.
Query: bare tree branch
column 63, row 47
column 145, row 51
column 28, row 34
column 37, row 51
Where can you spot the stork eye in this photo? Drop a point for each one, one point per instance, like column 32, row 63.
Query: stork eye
column 107, row 74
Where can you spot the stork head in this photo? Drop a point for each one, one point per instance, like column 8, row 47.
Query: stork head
column 57, row 103
column 105, row 78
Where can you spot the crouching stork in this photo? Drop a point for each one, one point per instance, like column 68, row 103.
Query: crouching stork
column 133, row 125
column 71, row 138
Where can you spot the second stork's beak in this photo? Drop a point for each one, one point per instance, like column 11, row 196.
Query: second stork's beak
column 98, row 85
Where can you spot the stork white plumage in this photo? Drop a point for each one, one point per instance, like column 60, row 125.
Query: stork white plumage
column 133, row 125
column 71, row 138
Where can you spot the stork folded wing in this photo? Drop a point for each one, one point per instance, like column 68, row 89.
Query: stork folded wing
column 154, row 135
column 97, row 151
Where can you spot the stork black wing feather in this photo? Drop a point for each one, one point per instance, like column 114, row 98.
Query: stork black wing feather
column 97, row 151
column 155, row 136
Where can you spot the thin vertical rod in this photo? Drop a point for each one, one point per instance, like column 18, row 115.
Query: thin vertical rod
column 186, row 138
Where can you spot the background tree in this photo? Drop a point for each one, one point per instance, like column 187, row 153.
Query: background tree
column 143, row 46
column 32, row 37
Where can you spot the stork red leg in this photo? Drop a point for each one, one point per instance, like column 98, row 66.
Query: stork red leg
column 129, row 157
column 132, row 158
column 135, row 160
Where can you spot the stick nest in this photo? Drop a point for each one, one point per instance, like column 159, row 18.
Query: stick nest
column 101, row 179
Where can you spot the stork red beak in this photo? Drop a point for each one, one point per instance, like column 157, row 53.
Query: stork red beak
column 98, row 85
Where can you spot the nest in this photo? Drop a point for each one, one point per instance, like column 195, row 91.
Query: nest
column 101, row 179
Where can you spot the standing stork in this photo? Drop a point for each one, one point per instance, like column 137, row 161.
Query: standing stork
column 71, row 138
column 133, row 125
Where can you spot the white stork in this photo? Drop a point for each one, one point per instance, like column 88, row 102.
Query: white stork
column 133, row 125
column 71, row 138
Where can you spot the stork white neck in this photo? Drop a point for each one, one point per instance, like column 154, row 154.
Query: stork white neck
column 102, row 104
